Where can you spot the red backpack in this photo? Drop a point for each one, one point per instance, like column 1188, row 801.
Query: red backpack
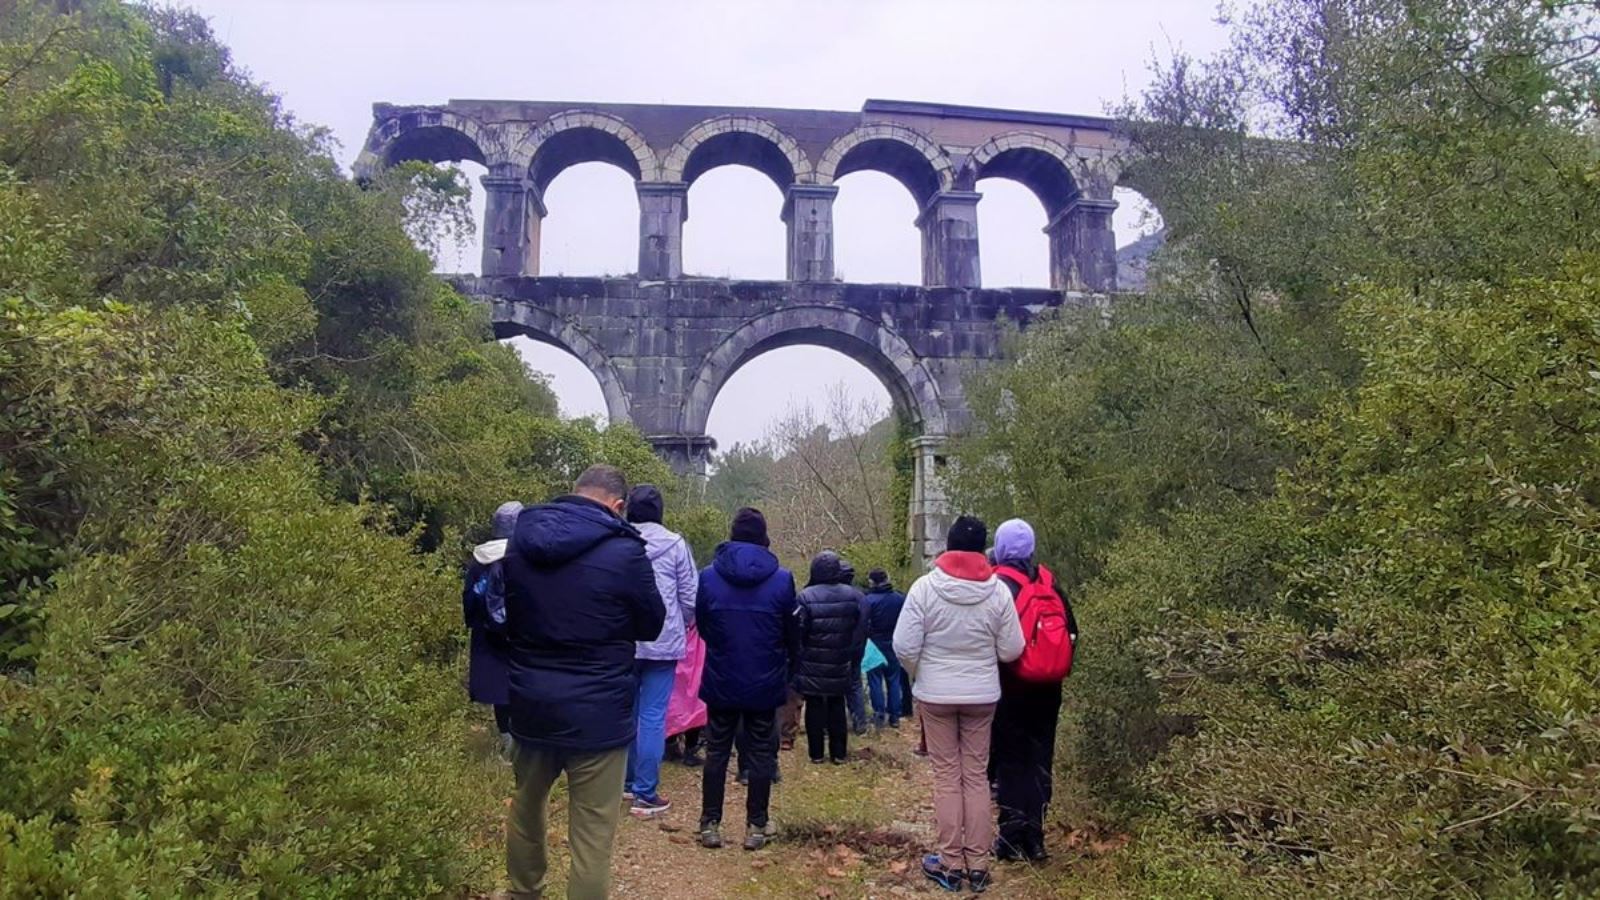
column 1047, row 650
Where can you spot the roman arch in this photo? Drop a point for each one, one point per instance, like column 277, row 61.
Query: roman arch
column 662, row 345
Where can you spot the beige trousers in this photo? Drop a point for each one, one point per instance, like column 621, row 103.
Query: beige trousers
column 958, row 747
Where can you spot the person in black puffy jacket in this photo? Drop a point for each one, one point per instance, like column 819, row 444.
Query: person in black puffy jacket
column 580, row 591
column 830, row 640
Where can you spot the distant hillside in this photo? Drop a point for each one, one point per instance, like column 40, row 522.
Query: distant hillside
column 1133, row 261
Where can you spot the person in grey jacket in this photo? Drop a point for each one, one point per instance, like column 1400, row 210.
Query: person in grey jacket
column 656, row 661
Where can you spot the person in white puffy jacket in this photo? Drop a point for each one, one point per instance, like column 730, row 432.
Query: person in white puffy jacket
column 958, row 625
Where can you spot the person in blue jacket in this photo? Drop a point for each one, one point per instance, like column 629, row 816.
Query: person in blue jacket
column 883, row 612
column 580, row 591
column 745, row 611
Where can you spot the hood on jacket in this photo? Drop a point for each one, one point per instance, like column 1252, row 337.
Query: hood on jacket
column 962, row 577
column 657, row 539
column 562, row 530
column 827, row 568
column 490, row 551
column 744, row 564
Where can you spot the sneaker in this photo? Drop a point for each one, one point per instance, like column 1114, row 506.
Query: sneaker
column 628, row 796
column 645, row 807
column 744, row 777
column 711, row 835
column 694, row 759
column 949, row 879
column 758, row 836
column 979, row 880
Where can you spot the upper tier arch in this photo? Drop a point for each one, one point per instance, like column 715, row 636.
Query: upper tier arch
column 1045, row 166
column 903, row 153
column 577, row 136
column 431, row 134
column 737, row 140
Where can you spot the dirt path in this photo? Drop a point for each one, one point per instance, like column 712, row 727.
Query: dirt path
column 854, row 831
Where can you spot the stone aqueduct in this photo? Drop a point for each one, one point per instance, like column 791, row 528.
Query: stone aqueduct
column 662, row 345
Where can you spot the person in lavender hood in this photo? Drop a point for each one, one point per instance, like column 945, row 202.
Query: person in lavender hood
column 678, row 580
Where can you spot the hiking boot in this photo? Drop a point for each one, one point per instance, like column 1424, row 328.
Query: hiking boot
column 979, row 880
column 711, row 835
column 645, row 807
column 1006, row 851
column 758, row 836
column 949, row 879
column 1034, row 850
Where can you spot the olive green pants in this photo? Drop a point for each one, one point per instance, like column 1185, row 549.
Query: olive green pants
column 594, row 805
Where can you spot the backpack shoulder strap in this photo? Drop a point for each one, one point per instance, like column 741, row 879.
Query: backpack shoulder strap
column 1013, row 573
column 1047, row 578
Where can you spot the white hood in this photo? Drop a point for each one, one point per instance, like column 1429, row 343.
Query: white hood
column 960, row 591
column 490, row 551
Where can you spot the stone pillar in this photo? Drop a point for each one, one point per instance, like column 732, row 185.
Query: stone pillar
column 1083, row 248
column 949, row 225
column 930, row 508
column 663, row 207
column 511, row 216
column 808, row 211
column 688, row 454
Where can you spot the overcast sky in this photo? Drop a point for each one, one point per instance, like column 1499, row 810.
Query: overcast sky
column 331, row 59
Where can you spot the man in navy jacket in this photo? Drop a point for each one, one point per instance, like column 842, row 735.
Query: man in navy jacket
column 745, row 610
column 580, row 592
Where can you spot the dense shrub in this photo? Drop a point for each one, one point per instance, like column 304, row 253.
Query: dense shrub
column 245, row 436
column 1328, row 497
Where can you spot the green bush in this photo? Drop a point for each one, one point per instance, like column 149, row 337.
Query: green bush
column 259, row 695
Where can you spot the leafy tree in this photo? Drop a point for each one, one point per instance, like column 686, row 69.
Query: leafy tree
column 1329, row 498
column 234, row 406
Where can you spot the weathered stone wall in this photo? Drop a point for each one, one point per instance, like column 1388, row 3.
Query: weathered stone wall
column 938, row 151
column 662, row 350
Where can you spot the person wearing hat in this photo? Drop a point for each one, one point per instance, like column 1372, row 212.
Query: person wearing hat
column 957, row 627
column 1025, row 719
column 745, row 611
column 883, row 613
column 657, row 661
column 483, row 606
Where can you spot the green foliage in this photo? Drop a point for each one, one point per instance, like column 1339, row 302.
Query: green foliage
column 258, row 691
column 234, row 406
column 1328, row 499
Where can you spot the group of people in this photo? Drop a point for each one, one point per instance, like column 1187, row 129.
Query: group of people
column 594, row 637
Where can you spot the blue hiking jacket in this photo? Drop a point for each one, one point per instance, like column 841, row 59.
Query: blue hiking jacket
column 745, row 612
column 579, row 592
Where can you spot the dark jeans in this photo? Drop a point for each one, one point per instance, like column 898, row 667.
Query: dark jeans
column 856, row 704
column 758, row 752
column 1023, row 754
column 825, row 718
column 883, row 685
column 502, row 718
